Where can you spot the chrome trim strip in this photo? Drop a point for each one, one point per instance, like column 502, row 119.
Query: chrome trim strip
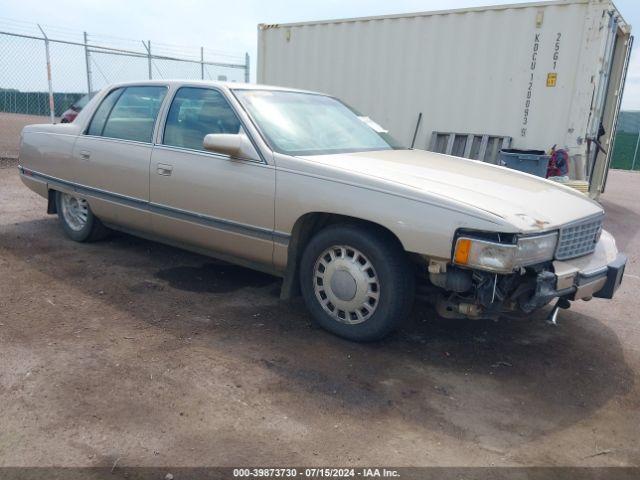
column 96, row 192
column 114, row 140
column 205, row 153
column 57, row 134
column 206, row 220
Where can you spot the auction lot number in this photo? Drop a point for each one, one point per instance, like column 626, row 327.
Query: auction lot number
column 314, row 473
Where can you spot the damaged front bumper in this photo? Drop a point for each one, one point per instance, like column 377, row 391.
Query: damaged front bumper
column 596, row 275
column 486, row 295
column 578, row 285
column 603, row 284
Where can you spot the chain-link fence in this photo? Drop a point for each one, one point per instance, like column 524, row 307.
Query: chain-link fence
column 44, row 70
column 626, row 151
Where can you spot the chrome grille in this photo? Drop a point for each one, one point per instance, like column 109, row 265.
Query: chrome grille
column 578, row 239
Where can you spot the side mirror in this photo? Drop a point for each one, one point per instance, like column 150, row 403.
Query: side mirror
column 225, row 143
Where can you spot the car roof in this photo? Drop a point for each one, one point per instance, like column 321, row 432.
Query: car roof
column 210, row 83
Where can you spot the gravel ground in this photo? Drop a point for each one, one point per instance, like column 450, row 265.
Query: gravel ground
column 132, row 351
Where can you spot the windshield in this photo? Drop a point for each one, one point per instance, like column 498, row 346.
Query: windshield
column 308, row 124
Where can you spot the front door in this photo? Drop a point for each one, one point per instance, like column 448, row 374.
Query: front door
column 204, row 199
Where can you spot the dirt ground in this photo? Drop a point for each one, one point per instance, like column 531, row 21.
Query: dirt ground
column 132, row 351
column 11, row 124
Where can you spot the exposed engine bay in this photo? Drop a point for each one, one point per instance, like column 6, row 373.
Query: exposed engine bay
column 462, row 293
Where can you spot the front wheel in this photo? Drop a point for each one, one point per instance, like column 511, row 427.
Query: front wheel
column 357, row 281
column 78, row 221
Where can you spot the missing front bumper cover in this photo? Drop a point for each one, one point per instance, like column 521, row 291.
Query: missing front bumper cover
column 602, row 283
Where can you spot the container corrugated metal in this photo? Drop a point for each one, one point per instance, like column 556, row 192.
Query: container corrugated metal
column 542, row 73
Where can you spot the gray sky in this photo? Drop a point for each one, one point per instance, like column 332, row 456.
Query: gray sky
column 231, row 26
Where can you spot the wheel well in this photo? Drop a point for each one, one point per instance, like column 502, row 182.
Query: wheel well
column 303, row 231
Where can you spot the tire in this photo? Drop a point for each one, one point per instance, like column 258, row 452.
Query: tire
column 364, row 274
column 77, row 219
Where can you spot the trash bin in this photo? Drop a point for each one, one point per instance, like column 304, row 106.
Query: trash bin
column 534, row 162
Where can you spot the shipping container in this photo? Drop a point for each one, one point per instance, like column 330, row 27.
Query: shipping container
column 470, row 81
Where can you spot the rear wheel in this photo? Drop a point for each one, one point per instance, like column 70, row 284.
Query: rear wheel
column 356, row 281
column 78, row 221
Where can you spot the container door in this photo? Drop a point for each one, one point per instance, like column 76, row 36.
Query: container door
column 616, row 112
column 608, row 98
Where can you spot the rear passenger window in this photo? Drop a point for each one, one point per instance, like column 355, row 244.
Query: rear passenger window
column 131, row 116
column 100, row 117
column 195, row 113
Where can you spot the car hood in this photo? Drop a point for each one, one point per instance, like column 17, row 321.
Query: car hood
column 527, row 202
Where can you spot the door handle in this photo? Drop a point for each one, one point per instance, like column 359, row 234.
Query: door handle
column 164, row 169
column 85, row 154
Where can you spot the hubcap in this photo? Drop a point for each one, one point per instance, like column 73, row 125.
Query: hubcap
column 75, row 211
column 346, row 284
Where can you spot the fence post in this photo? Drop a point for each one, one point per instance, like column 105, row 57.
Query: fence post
column 88, row 62
column 51, row 101
column 148, row 47
column 202, row 63
column 635, row 153
column 246, row 67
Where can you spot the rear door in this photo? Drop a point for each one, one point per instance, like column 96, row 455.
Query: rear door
column 210, row 200
column 114, row 152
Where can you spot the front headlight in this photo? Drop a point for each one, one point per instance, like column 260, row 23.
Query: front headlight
column 504, row 258
column 538, row 249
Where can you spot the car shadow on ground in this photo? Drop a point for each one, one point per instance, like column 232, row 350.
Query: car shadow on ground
column 502, row 383
column 213, row 277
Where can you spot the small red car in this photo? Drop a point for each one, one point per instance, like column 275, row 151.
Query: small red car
column 71, row 113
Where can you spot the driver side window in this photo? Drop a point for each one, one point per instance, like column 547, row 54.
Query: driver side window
column 196, row 112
